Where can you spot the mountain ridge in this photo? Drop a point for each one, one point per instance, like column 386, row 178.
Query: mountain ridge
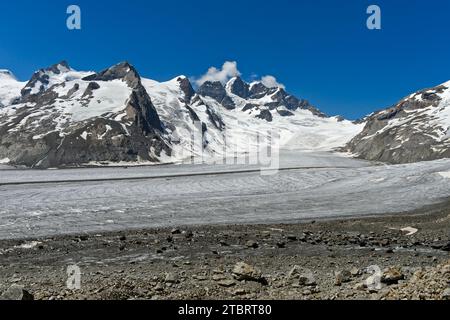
column 64, row 117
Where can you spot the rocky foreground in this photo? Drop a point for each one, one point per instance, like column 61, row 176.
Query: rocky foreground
column 405, row 256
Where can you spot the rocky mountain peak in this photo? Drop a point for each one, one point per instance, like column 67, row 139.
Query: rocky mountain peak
column 216, row 90
column 239, row 87
column 121, row 71
column 258, row 90
column 40, row 80
column 417, row 128
column 186, row 87
column 59, row 67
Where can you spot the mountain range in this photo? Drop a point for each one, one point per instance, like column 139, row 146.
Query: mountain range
column 63, row 117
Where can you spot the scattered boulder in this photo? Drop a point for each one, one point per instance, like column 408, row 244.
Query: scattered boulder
column 246, row 272
column 281, row 245
column 392, row 275
column 355, row 272
column 17, row 293
column 446, row 247
column 446, row 294
column 342, row 276
column 252, row 244
column 171, row 278
column 300, row 276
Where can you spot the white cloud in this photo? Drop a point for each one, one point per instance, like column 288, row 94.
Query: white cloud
column 271, row 82
column 228, row 71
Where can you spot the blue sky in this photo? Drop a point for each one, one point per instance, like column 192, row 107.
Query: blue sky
column 320, row 50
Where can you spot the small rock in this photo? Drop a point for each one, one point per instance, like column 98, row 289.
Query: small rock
column 226, row 283
column 291, row 238
column 446, row 294
column 301, row 277
column 175, row 231
column 239, row 292
column 243, row 271
column 218, row 277
column 281, row 245
column 171, row 278
column 342, row 277
column 360, row 287
column 159, row 287
column 252, row 244
column 392, row 276
column 16, row 293
column 355, row 272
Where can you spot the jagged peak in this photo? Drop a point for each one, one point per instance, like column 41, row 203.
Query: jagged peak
column 186, row 87
column 239, row 87
column 123, row 70
column 210, row 83
column 57, row 68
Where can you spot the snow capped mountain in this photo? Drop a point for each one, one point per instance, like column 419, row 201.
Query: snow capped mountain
column 64, row 117
column 9, row 87
column 415, row 129
column 233, row 118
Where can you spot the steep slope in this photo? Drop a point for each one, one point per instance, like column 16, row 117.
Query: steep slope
column 9, row 88
column 415, row 129
column 64, row 117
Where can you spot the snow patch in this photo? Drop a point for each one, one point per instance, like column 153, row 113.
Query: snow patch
column 445, row 174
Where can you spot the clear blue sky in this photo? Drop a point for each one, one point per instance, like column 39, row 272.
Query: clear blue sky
column 321, row 50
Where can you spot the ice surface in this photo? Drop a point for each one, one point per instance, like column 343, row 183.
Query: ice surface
column 60, row 208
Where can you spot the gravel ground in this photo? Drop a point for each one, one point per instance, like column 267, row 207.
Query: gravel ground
column 366, row 258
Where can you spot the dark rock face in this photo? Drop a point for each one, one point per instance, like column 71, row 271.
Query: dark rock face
column 285, row 113
column 216, row 91
column 240, row 88
column 187, row 89
column 265, row 115
column 140, row 109
column 123, row 71
column 258, row 90
column 405, row 132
